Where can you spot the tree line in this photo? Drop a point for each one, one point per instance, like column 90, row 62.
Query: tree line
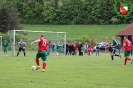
column 66, row 12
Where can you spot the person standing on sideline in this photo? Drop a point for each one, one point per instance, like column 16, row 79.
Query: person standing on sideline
column 5, row 47
column 48, row 49
column 97, row 50
column 53, row 46
column 75, row 48
column 85, row 48
column 127, row 48
column 89, row 48
column 67, row 48
column 42, row 51
column 22, row 46
column 80, row 49
column 71, row 49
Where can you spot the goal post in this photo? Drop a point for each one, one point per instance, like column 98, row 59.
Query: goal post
column 0, row 44
column 28, row 36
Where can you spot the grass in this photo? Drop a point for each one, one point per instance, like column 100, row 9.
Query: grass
column 77, row 31
column 68, row 71
column 65, row 72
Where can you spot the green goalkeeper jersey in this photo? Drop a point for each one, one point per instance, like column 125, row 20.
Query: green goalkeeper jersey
column 114, row 44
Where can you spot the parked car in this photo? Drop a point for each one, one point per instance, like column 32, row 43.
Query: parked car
column 102, row 46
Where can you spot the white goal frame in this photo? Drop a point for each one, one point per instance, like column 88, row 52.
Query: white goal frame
column 14, row 32
column 0, row 44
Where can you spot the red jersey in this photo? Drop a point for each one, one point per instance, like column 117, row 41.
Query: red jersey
column 75, row 46
column 89, row 48
column 128, row 45
column 43, row 44
column 46, row 44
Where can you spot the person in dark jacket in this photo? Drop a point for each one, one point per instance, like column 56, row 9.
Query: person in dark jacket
column 71, row 49
column 67, row 48
column 80, row 48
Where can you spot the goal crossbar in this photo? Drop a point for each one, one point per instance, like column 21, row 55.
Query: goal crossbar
column 37, row 31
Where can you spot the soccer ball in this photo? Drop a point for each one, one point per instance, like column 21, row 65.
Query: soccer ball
column 33, row 67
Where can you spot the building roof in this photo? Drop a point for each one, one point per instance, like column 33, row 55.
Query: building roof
column 128, row 30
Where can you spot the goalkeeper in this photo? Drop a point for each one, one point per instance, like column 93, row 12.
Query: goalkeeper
column 22, row 46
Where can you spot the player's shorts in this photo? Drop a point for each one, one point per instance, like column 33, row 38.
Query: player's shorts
column 5, row 49
column 127, row 53
column 21, row 48
column 42, row 54
column 113, row 51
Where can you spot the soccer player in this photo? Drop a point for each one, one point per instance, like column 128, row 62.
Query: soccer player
column 22, row 46
column 5, row 47
column 42, row 51
column 114, row 47
column 127, row 48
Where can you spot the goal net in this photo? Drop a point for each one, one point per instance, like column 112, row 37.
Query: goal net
column 28, row 36
column 0, row 44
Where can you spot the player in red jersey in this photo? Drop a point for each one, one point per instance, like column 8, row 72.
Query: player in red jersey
column 42, row 51
column 127, row 48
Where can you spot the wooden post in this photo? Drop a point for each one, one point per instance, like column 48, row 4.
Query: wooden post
column 107, row 41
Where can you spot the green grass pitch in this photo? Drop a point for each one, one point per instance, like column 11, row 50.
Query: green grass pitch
column 77, row 31
column 65, row 72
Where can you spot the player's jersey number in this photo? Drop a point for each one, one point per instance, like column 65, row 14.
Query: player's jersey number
column 44, row 42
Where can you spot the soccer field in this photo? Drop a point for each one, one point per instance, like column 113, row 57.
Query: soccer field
column 65, row 72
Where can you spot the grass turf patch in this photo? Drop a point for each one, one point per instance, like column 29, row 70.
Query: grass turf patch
column 65, row 72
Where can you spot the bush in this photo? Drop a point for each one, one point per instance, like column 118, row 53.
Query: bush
column 84, row 39
column 4, row 36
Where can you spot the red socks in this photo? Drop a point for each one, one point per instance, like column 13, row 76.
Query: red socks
column 37, row 62
column 44, row 65
column 126, row 60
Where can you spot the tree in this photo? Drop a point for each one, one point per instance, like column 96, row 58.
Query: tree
column 14, row 21
column 3, row 18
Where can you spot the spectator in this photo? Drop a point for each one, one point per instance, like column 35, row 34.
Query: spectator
column 79, row 49
column 67, row 48
column 85, row 48
column 53, row 46
column 97, row 50
column 89, row 48
column 48, row 49
column 75, row 48
column 71, row 49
